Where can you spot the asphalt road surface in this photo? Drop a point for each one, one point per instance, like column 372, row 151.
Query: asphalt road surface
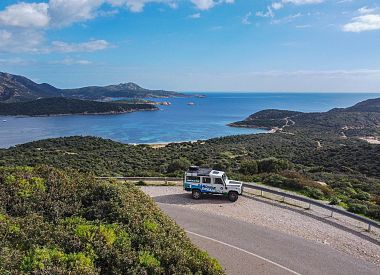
column 244, row 248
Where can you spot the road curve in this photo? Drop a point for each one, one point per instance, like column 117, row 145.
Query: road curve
column 245, row 248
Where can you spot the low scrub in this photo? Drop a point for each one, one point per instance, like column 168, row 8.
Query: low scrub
column 63, row 222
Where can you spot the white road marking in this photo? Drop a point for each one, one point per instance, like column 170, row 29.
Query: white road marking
column 245, row 251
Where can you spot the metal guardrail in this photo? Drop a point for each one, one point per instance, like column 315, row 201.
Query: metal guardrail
column 333, row 209
column 143, row 178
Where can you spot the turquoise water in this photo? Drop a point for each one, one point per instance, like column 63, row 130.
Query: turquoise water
column 178, row 122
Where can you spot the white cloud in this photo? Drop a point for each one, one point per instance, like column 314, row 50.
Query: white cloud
column 287, row 19
column 66, row 12
column 195, row 15
column 31, row 41
column 245, row 20
column 15, row 61
column 268, row 13
column 368, row 22
column 208, row 4
column 71, row 61
column 90, row 46
column 366, row 10
column 302, row 2
column 277, row 5
column 21, row 41
column 280, row 4
column 25, row 15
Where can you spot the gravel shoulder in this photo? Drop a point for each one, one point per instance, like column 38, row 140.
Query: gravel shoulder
column 338, row 232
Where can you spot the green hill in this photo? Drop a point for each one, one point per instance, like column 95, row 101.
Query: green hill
column 60, row 105
column 63, row 222
column 359, row 120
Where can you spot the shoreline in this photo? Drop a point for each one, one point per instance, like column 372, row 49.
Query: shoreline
column 83, row 114
column 157, row 145
column 269, row 129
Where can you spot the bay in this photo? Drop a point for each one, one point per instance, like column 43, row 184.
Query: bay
column 207, row 118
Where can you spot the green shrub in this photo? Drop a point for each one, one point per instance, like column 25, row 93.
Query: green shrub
column 141, row 183
column 178, row 165
column 357, row 208
column 334, row 200
column 273, row 165
column 80, row 225
column 249, row 167
column 361, row 195
column 313, row 193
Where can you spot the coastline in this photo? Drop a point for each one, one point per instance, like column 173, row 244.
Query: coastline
column 83, row 114
column 157, row 145
column 269, row 129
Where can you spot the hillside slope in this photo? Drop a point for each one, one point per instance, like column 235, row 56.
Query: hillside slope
column 359, row 120
column 63, row 222
column 15, row 88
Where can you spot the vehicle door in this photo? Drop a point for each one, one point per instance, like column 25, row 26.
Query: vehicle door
column 218, row 185
column 207, row 185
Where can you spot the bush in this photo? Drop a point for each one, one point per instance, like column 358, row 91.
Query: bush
column 273, row 165
column 334, row 200
column 361, row 195
column 61, row 221
column 313, row 193
column 357, row 208
column 178, row 165
column 249, row 167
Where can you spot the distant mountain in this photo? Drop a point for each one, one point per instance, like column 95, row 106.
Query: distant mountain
column 63, row 106
column 15, row 88
column 128, row 90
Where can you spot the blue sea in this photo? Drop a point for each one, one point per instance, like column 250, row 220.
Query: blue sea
column 207, row 118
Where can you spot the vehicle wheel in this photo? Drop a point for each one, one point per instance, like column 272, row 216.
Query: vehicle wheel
column 233, row 196
column 196, row 194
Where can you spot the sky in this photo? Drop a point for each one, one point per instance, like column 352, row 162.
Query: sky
column 195, row 45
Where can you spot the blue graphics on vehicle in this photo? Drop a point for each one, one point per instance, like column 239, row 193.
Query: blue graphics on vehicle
column 203, row 187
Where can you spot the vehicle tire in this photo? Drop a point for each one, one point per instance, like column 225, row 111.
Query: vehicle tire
column 233, row 196
column 196, row 194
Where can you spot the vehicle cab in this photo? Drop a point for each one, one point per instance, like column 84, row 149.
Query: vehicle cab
column 199, row 181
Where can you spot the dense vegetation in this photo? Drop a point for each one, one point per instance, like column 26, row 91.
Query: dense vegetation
column 63, row 222
column 359, row 120
column 319, row 156
column 60, row 105
column 350, row 167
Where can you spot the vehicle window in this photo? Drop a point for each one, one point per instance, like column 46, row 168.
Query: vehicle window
column 218, row 181
column 193, row 179
column 206, row 180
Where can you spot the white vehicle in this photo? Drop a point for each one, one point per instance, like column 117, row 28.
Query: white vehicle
column 203, row 180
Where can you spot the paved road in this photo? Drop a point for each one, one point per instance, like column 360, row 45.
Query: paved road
column 244, row 248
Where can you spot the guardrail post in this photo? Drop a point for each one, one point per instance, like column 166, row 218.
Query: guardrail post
column 332, row 212
column 283, row 199
column 261, row 192
column 309, row 206
column 369, row 227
